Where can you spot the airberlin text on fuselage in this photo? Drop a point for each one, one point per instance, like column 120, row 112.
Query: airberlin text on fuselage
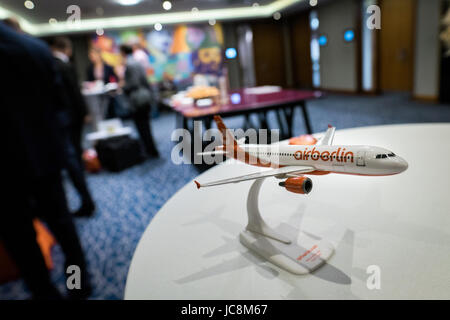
column 339, row 155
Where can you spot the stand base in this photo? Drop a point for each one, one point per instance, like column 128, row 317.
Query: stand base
column 297, row 259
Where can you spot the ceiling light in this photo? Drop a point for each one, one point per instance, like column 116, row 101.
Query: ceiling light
column 256, row 4
column 29, row 4
column 100, row 11
column 158, row 26
column 52, row 21
column 277, row 16
column 167, row 5
column 212, row 22
column 100, row 31
column 128, row 2
column 194, row 10
column 313, row 3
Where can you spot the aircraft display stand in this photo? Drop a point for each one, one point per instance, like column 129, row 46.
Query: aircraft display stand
column 285, row 246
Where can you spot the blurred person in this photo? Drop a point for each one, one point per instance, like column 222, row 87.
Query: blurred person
column 138, row 92
column 29, row 93
column 13, row 23
column 98, row 70
column 72, row 115
column 141, row 56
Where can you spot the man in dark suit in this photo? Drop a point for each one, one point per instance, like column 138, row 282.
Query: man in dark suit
column 72, row 114
column 32, row 163
column 138, row 91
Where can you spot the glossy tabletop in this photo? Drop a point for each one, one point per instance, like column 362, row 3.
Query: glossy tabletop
column 399, row 224
column 240, row 101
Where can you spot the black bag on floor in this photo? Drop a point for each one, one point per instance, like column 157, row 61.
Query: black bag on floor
column 119, row 153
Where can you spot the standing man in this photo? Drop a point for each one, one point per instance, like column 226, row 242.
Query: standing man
column 29, row 93
column 72, row 115
column 138, row 91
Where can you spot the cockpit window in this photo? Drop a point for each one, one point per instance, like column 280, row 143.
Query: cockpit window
column 391, row 154
column 381, row 156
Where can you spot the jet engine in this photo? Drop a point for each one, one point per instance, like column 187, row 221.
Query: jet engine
column 302, row 185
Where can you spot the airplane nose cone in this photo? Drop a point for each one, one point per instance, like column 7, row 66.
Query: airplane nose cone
column 402, row 165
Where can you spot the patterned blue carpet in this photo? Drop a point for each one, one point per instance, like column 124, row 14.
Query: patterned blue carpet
column 127, row 201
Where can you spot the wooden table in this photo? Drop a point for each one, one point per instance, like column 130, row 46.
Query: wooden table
column 243, row 103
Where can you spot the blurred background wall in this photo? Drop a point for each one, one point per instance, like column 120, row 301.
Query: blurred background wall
column 405, row 55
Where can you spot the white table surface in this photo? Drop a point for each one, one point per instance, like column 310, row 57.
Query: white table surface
column 400, row 223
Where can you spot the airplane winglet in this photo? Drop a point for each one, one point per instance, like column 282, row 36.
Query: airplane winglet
column 330, row 126
column 198, row 184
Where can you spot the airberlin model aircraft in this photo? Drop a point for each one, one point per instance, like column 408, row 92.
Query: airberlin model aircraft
column 292, row 162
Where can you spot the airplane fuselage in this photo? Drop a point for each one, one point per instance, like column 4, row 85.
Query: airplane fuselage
column 350, row 159
column 293, row 162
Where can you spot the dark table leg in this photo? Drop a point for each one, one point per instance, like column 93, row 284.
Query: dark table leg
column 289, row 114
column 263, row 120
column 180, row 121
column 247, row 123
column 208, row 122
column 306, row 117
column 281, row 117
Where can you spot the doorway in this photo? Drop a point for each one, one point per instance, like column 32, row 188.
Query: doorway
column 301, row 50
column 268, row 52
column 397, row 45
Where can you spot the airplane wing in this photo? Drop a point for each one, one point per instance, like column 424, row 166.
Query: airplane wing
column 288, row 171
column 327, row 139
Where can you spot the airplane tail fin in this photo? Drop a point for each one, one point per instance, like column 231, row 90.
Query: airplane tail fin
column 229, row 142
column 233, row 148
column 327, row 139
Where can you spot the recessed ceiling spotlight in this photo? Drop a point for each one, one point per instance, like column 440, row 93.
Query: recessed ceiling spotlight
column 128, row 2
column 52, row 21
column 194, row 10
column 100, row 31
column 100, row 11
column 313, row 3
column 167, row 5
column 158, row 26
column 277, row 16
column 255, row 5
column 29, row 4
column 212, row 22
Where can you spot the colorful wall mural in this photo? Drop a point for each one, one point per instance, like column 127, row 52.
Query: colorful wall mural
column 177, row 52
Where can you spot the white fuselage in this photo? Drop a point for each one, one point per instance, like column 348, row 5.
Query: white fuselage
column 364, row 160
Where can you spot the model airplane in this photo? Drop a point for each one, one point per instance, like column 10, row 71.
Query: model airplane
column 292, row 162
